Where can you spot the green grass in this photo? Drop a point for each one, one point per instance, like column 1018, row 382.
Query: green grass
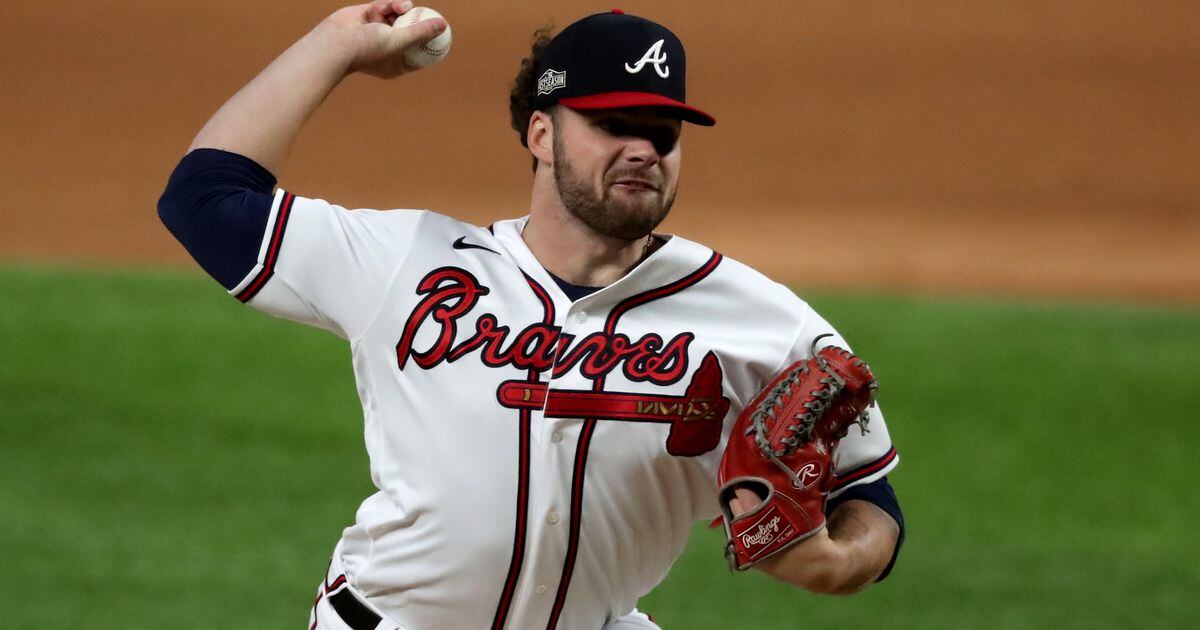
column 171, row 459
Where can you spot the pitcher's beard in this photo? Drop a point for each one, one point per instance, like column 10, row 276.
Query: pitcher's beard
column 629, row 218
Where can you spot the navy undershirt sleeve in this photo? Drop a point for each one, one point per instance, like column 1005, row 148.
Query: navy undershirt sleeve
column 216, row 204
column 880, row 493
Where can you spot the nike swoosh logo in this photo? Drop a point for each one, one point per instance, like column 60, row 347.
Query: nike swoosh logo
column 462, row 243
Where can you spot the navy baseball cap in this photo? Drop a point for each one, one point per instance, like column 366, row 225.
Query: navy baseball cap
column 614, row 60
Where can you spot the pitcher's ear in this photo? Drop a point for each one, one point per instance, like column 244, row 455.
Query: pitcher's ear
column 540, row 136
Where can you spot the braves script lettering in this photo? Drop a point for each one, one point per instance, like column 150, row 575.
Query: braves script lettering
column 450, row 293
column 762, row 535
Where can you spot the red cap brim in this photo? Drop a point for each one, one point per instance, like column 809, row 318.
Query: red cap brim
column 618, row 100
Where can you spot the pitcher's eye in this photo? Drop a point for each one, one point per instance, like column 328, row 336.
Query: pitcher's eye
column 614, row 127
column 663, row 139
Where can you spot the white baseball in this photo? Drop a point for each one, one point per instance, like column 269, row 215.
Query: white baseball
column 432, row 52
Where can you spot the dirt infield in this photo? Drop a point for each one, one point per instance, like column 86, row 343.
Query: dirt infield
column 1007, row 147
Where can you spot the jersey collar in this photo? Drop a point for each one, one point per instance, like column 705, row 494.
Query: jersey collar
column 675, row 259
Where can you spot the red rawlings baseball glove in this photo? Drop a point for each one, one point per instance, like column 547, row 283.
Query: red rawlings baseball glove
column 781, row 449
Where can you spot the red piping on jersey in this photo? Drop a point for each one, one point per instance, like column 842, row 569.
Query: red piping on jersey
column 268, row 270
column 340, row 580
column 519, row 530
column 316, row 602
column 589, row 427
column 866, row 470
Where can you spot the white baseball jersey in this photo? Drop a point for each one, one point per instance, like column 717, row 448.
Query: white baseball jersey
column 540, row 462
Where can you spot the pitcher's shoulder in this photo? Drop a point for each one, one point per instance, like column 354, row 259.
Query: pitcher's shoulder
column 744, row 285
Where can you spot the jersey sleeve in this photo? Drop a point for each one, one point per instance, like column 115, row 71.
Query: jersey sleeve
column 860, row 458
column 324, row 265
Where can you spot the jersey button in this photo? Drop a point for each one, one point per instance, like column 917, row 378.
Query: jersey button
column 552, row 517
column 580, row 317
column 541, row 588
column 556, row 437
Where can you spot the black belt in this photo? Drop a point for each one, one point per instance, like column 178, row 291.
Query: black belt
column 352, row 611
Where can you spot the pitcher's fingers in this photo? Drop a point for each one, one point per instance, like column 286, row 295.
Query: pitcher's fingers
column 375, row 11
column 421, row 32
column 393, row 9
column 385, row 11
column 744, row 500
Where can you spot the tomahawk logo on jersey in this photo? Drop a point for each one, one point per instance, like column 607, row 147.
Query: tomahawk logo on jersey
column 588, row 419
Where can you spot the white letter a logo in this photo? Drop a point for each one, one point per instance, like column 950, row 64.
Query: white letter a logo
column 654, row 56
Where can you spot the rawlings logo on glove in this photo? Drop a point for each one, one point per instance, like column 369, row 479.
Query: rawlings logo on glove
column 781, row 449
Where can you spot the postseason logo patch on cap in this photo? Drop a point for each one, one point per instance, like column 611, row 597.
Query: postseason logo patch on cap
column 551, row 80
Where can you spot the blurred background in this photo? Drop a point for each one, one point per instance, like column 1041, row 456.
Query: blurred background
column 1025, row 147
column 997, row 202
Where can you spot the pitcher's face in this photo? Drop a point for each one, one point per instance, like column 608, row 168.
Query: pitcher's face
column 617, row 170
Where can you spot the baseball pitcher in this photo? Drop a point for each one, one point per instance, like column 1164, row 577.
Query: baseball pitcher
column 552, row 401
